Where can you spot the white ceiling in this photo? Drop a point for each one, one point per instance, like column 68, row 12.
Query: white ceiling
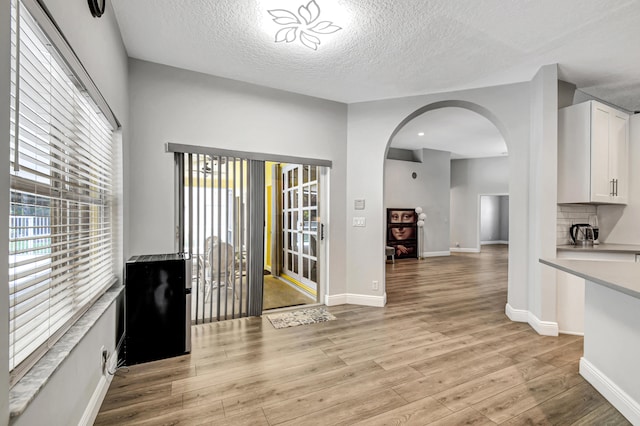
column 464, row 133
column 395, row 48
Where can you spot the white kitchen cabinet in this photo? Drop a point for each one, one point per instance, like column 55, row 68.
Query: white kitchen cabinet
column 593, row 154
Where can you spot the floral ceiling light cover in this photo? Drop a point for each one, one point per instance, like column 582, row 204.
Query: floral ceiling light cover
column 304, row 25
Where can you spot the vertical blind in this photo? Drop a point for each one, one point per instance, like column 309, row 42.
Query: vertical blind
column 61, row 242
column 220, row 220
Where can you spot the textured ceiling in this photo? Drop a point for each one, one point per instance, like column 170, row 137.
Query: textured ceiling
column 393, row 48
column 388, row 49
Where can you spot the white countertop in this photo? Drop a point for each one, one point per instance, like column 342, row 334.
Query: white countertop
column 620, row 276
column 604, row 247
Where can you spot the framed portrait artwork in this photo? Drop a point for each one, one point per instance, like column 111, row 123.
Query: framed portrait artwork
column 402, row 232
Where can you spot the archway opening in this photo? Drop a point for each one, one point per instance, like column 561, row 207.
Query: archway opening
column 443, row 158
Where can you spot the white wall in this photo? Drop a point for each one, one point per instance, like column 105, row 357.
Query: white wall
column 371, row 126
column 174, row 105
column 543, row 168
column 429, row 190
column 98, row 45
column 5, row 84
column 471, row 178
column 65, row 398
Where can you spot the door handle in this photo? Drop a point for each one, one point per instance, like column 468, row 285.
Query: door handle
column 321, row 231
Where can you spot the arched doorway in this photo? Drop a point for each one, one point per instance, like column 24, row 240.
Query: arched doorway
column 445, row 170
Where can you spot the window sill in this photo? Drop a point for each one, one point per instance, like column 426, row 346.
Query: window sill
column 26, row 389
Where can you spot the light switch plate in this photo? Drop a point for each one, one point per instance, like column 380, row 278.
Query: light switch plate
column 359, row 221
column 358, row 204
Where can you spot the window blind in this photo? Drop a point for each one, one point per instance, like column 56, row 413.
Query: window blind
column 61, row 231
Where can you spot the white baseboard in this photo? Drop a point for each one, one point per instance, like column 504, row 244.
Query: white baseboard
column 484, row 243
column 572, row 333
column 436, row 253
column 624, row 403
column 356, row 299
column 544, row 328
column 335, row 299
column 93, row 407
column 464, row 250
column 517, row 315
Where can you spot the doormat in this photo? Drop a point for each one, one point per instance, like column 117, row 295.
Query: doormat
column 301, row 317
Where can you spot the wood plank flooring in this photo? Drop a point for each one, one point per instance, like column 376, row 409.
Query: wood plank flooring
column 441, row 352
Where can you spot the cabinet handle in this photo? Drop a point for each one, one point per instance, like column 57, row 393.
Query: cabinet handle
column 616, row 187
column 613, row 188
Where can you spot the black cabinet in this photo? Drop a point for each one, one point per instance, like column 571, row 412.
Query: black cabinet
column 157, row 307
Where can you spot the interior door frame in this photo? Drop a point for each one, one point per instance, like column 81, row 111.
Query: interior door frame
column 322, row 212
column 323, row 233
column 479, row 210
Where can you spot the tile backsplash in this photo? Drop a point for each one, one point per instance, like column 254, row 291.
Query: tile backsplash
column 568, row 214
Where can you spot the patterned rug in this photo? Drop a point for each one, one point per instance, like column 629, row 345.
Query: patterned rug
column 301, row 317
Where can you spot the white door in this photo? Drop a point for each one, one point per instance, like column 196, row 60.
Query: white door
column 300, row 226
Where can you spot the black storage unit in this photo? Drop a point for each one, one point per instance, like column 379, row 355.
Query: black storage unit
column 157, row 307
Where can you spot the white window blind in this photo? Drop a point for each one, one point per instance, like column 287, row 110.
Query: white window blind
column 61, row 239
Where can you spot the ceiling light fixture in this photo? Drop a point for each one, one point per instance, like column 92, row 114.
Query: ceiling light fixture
column 208, row 168
column 304, row 25
column 421, row 134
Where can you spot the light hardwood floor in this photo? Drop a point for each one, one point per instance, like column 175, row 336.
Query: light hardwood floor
column 442, row 352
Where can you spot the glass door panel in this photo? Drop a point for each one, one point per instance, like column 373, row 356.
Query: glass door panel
column 300, row 225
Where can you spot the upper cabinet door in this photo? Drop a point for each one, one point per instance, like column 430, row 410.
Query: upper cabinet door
column 619, row 155
column 602, row 185
column 593, row 154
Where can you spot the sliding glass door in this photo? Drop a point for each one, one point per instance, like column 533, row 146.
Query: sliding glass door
column 222, row 202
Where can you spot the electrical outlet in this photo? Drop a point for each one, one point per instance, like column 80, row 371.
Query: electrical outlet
column 374, row 285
